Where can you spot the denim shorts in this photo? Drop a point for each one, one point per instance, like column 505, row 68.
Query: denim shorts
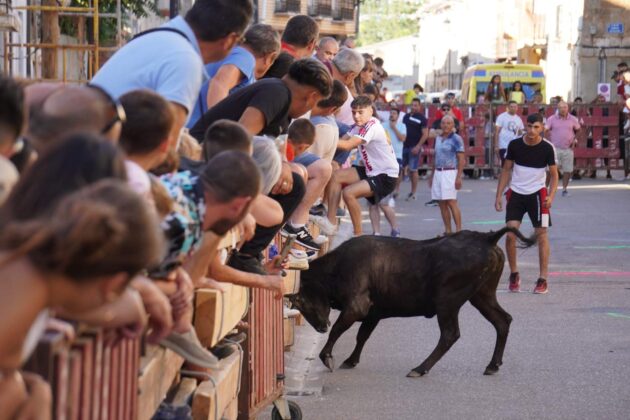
column 306, row 159
column 410, row 160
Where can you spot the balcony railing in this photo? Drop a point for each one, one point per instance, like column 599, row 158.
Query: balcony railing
column 287, row 6
column 343, row 10
column 343, row 13
column 320, row 8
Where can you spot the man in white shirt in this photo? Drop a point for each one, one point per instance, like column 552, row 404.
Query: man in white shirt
column 508, row 127
column 373, row 181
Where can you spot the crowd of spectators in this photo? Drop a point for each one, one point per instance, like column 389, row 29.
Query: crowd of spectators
column 112, row 210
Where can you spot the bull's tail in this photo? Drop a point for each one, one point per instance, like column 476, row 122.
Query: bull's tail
column 524, row 242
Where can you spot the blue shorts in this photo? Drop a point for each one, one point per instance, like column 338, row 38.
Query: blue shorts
column 410, row 160
column 306, row 159
column 341, row 156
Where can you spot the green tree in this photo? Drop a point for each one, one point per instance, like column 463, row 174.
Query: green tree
column 107, row 26
column 381, row 20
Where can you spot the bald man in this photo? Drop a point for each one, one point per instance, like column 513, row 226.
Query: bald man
column 327, row 49
column 561, row 129
column 72, row 109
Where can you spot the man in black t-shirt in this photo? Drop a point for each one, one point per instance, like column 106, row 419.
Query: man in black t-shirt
column 267, row 106
column 527, row 161
column 417, row 134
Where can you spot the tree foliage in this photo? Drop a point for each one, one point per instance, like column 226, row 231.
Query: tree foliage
column 107, row 26
column 381, row 20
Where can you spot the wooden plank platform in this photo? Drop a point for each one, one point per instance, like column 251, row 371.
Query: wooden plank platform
column 289, row 333
column 217, row 313
column 213, row 397
column 158, row 370
column 291, row 282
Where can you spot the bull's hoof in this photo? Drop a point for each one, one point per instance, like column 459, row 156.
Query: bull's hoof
column 348, row 364
column 417, row 373
column 491, row 370
column 328, row 361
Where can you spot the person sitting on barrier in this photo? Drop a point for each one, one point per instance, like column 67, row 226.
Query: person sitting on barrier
column 300, row 138
column 246, row 269
column 323, row 118
column 373, row 181
column 12, row 120
column 245, row 64
column 267, row 106
column 224, row 135
column 79, row 255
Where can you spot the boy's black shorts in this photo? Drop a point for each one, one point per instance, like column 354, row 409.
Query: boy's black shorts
column 381, row 185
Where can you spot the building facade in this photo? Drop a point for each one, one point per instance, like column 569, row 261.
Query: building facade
column 578, row 43
column 335, row 17
column 604, row 42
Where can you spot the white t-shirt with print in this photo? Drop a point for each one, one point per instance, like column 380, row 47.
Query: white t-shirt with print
column 376, row 151
column 510, row 126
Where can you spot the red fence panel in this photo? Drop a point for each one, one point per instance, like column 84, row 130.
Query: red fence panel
column 263, row 353
column 89, row 379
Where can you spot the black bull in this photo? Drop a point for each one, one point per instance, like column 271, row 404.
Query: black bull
column 370, row 278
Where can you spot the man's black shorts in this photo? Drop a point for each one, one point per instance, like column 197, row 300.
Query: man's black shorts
column 381, row 185
column 532, row 204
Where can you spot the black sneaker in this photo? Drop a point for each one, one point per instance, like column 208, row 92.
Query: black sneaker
column 432, row 203
column 303, row 236
column 318, row 210
column 246, row 263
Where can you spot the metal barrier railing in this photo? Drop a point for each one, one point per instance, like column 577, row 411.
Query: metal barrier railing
column 599, row 140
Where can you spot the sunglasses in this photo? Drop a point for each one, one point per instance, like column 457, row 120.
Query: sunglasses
column 446, row 109
column 119, row 111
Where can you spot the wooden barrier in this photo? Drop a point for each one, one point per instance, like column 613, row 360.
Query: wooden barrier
column 291, row 282
column 216, row 396
column 159, row 369
column 217, row 313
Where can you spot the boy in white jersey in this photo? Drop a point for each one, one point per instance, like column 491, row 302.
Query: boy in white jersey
column 376, row 178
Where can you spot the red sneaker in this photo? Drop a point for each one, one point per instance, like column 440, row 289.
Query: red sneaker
column 515, row 283
column 541, row 287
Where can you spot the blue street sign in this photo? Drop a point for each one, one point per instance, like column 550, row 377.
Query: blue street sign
column 615, row 28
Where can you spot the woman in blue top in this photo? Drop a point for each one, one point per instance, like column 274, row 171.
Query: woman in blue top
column 446, row 179
column 245, row 63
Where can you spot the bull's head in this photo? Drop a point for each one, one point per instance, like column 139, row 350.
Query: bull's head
column 314, row 306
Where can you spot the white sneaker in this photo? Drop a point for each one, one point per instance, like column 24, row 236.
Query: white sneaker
column 297, row 260
column 321, row 239
column 324, row 224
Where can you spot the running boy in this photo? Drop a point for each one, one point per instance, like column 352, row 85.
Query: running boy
column 373, row 181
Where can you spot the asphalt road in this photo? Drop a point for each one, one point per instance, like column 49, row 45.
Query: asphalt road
column 568, row 353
